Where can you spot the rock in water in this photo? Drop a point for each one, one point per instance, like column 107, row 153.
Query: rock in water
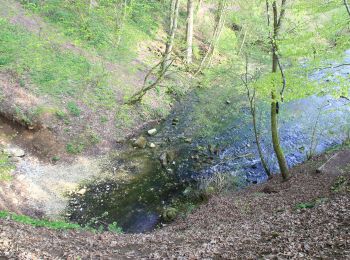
column 163, row 159
column 152, row 131
column 140, row 142
column 152, row 145
column 82, row 191
column 169, row 214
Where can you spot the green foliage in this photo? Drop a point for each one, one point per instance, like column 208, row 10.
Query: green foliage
column 112, row 28
column 38, row 222
column 52, row 70
column 75, row 147
column 169, row 214
column 73, row 108
column 341, row 184
column 115, row 228
column 55, row 159
column 311, row 204
column 61, row 114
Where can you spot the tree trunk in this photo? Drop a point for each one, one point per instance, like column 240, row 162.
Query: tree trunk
column 347, row 6
column 261, row 155
column 220, row 20
column 174, row 12
column 277, row 21
column 276, row 139
column 252, row 105
column 189, row 31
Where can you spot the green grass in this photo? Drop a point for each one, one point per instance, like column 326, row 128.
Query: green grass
column 54, row 224
column 53, row 71
column 5, row 167
column 310, row 204
column 73, row 108
column 102, row 28
column 39, row 222
column 75, row 147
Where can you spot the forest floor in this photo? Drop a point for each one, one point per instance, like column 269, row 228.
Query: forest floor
column 306, row 217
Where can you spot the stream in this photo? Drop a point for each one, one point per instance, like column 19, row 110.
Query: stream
column 312, row 124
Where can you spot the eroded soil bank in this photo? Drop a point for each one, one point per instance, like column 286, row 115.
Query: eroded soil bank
column 307, row 217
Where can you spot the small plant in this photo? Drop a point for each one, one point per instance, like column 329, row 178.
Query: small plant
column 75, row 148
column 218, row 183
column 103, row 119
column 341, row 184
column 55, row 159
column 73, row 108
column 311, row 204
column 305, row 205
column 61, row 114
column 22, row 83
column 94, row 138
column 115, row 228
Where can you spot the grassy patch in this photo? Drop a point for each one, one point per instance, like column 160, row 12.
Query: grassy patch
column 73, row 108
column 75, row 147
column 52, row 70
column 52, row 224
column 85, row 140
column 106, row 28
column 39, row 222
column 5, row 167
column 310, row 204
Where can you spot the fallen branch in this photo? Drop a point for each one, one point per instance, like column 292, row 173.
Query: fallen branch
column 320, row 169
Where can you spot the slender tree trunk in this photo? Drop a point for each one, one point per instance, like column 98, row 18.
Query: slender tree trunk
column 347, row 6
column 121, row 23
column 257, row 140
column 189, row 33
column 220, row 18
column 174, row 13
column 276, row 139
column 277, row 20
column 252, row 104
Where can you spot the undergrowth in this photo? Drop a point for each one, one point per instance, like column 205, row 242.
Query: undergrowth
column 62, row 225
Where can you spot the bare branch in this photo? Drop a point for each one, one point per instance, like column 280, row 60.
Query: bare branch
column 283, row 76
column 333, row 67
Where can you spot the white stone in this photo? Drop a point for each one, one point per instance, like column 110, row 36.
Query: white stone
column 152, row 131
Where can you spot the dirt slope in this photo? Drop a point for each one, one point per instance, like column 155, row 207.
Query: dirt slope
column 274, row 220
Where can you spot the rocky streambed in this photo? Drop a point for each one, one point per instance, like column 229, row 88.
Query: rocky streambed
column 149, row 180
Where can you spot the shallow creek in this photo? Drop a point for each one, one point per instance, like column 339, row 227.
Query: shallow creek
column 132, row 188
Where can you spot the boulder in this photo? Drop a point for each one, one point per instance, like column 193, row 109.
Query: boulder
column 169, row 214
column 140, row 142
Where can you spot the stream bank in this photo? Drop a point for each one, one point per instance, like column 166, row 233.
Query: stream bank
column 132, row 186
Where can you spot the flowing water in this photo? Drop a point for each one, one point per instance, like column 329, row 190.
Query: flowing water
column 309, row 125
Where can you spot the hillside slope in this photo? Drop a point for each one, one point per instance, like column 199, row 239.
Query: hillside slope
column 307, row 217
column 52, row 77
